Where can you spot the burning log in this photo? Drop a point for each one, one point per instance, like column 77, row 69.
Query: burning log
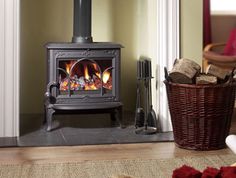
column 108, row 84
column 97, row 81
column 64, row 85
column 81, row 81
column 90, row 80
column 74, row 84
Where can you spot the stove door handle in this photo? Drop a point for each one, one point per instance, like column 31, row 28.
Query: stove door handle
column 48, row 95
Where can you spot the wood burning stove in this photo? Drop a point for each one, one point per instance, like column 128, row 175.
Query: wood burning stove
column 83, row 75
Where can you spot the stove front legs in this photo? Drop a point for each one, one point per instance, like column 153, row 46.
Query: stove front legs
column 117, row 115
column 49, row 114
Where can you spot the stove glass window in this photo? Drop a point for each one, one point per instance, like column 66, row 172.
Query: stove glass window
column 77, row 76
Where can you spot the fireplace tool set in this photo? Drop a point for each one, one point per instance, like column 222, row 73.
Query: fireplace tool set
column 145, row 117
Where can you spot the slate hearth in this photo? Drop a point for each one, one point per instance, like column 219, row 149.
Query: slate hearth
column 87, row 130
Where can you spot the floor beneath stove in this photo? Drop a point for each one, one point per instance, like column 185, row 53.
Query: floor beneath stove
column 79, row 130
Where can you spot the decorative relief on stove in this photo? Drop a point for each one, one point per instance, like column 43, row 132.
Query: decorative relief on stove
column 79, row 100
column 113, row 52
column 84, row 97
column 88, row 53
column 62, row 54
column 110, row 98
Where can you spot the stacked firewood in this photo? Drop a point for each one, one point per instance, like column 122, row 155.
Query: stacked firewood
column 186, row 71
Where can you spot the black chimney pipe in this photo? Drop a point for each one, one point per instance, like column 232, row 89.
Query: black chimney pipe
column 82, row 22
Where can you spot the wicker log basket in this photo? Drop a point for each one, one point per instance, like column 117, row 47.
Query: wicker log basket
column 201, row 114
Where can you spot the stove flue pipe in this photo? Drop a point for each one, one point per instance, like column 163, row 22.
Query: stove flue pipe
column 82, row 22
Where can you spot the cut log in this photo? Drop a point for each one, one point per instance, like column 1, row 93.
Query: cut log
column 184, row 71
column 189, row 62
column 217, row 71
column 206, row 79
column 234, row 74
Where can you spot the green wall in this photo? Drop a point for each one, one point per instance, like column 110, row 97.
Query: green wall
column 50, row 21
column 132, row 23
column 41, row 21
column 124, row 22
column 191, row 29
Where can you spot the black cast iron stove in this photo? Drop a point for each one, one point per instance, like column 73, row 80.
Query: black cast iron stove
column 83, row 75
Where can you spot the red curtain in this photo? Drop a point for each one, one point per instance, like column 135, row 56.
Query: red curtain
column 206, row 22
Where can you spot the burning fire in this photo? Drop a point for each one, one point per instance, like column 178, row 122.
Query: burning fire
column 89, row 80
column 86, row 73
column 90, row 87
column 106, row 76
column 69, row 65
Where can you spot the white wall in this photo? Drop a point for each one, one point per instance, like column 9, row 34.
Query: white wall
column 135, row 28
column 225, row 7
column 9, row 68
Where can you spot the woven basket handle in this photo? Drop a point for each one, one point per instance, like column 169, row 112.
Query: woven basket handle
column 166, row 75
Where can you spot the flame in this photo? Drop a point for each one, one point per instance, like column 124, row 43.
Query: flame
column 73, row 85
column 90, row 87
column 86, row 73
column 97, row 73
column 95, row 66
column 106, row 76
column 64, row 85
column 68, row 66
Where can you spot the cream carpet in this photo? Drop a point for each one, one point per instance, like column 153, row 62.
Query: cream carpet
column 106, row 169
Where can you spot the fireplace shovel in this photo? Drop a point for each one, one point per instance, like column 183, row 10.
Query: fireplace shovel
column 150, row 119
column 139, row 113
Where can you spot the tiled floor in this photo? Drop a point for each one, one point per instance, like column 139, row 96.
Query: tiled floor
column 79, row 130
